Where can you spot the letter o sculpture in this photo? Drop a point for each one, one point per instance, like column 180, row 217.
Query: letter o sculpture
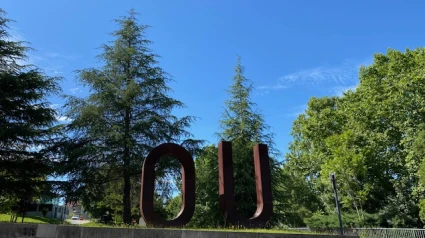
column 148, row 185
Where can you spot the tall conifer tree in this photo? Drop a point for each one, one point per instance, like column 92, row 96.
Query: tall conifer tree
column 244, row 126
column 26, row 123
column 127, row 113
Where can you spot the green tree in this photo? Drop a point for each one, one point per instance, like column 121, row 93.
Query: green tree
column 127, row 113
column 27, row 124
column 207, row 212
column 349, row 165
column 244, row 126
column 107, row 198
column 372, row 138
column 300, row 201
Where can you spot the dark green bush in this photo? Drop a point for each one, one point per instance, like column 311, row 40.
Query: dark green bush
column 349, row 220
column 44, row 211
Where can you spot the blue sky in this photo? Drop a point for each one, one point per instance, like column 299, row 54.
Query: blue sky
column 292, row 50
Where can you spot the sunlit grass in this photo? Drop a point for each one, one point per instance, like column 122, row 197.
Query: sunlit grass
column 45, row 220
column 36, row 219
column 250, row 230
column 96, row 224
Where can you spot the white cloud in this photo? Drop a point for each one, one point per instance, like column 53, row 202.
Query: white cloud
column 59, row 116
column 14, row 35
column 35, row 148
column 296, row 111
column 55, row 55
column 55, row 105
column 340, row 90
column 63, row 119
column 52, row 63
column 75, row 90
column 334, row 80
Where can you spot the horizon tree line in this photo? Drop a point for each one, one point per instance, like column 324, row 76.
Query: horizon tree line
column 372, row 137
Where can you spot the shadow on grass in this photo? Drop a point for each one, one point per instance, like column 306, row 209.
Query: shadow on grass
column 39, row 219
column 31, row 219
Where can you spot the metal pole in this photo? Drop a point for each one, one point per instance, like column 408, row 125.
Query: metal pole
column 333, row 181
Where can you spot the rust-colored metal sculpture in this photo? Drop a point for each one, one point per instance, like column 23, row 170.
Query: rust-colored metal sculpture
column 226, row 186
column 262, row 183
column 148, row 185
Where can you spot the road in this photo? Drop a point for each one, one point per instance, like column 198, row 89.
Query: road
column 77, row 222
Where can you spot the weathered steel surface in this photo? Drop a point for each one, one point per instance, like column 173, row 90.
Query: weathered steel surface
column 148, row 185
column 262, row 183
column 226, row 186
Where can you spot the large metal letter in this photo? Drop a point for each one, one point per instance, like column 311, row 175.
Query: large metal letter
column 148, row 185
column 262, row 184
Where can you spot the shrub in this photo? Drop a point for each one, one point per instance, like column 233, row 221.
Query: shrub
column 44, row 211
column 349, row 220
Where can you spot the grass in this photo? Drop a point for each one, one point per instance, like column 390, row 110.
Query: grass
column 273, row 231
column 37, row 219
column 45, row 220
column 96, row 224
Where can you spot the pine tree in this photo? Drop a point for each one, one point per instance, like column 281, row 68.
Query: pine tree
column 241, row 121
column 127, row 113
column 245, row 127
column 26, row 123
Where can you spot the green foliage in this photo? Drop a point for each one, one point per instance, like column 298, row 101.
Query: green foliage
column 372, row 138
column 298, row 201
column 31, row 219
column 400, row 211
column 174, row 206
column 26, row 125
column 107, row 198
column 244, row 127
column 207, row 211
column 127, row 113
column 44, row 211
column 349, row 220
column 422, row 210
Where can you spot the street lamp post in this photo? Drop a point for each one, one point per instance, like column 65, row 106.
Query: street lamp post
column 333, row 181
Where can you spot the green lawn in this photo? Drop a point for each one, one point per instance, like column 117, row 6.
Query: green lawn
column 44, row 220
column 95, row 224
column 38, row 220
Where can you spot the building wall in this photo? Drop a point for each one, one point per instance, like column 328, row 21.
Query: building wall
column 58, row 212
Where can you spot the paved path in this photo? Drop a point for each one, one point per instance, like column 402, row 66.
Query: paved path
column 77, row 222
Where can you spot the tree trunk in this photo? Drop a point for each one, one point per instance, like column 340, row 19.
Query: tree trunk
column 126, row 198
column 355, row 205
column 126, row 174
column 23, row 216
